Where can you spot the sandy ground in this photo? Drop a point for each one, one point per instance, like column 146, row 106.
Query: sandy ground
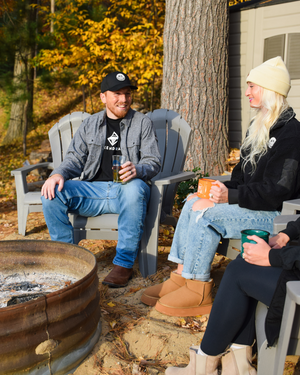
column 135, row 338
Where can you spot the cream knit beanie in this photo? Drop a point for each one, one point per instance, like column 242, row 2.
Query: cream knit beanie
column 272, row 75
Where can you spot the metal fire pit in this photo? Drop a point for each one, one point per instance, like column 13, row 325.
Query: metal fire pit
column 53, row 333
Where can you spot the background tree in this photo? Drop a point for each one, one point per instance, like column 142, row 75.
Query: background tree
column 195, row 77
column 19, row 35
column 127, row 37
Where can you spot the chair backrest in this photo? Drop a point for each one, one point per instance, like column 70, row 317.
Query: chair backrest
column 61, row 134
column 173, row 134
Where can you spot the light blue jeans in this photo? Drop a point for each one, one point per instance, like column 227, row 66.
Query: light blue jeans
column 198, row 234
column 96, row 198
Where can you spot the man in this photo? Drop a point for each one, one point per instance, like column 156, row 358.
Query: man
column 118, row 130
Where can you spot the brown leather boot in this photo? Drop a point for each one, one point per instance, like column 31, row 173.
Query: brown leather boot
column 238, row 361
column 199, row 365
column 194, row 298
column 152, row 294
column 118, row 277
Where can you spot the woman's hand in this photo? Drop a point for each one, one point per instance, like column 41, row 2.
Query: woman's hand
column 257, row 253
column 218, row 193
column 278, row 241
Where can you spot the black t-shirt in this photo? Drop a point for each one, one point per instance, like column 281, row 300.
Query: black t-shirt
column 112, row 147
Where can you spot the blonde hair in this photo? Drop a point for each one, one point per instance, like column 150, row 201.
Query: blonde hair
column 255, row 144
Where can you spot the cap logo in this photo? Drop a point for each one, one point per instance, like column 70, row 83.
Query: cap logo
column 120, row 77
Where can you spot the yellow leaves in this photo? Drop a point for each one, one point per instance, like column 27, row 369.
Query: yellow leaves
column 111, row 304
column 113, row 324
column 182, row 322
column 129, row 37
column 235, row 2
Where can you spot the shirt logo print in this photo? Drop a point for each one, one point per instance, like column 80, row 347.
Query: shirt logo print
column 113, row 139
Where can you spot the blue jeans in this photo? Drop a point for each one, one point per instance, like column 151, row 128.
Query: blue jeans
column 96, row 198
column 198, row 234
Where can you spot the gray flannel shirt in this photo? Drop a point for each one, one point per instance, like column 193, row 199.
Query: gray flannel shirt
column 138, row 144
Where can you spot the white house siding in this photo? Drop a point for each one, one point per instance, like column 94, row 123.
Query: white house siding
column 251, row 27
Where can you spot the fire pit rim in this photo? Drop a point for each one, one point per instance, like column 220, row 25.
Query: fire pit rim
column 59, row 291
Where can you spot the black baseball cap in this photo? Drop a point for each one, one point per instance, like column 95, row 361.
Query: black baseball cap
column 116, row 81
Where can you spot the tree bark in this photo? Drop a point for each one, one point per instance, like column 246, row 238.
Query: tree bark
column 52, row 9
column 17, row 113
column 195, row 77
column 21, row 115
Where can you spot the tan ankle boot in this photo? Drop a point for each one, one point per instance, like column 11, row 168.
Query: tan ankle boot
column 152, row 294
column 199, row 365
column 238, row 361
column 194, row 298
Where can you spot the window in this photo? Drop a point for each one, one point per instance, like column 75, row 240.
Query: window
column 293, row 55
column 288, row 47
column 274, row 46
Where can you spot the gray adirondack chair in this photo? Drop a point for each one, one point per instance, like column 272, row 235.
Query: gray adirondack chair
column 271, row 360
column 290, row 212
column 173, row 134
column 30, row 201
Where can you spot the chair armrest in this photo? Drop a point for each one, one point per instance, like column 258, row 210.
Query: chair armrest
column 290, row 207
column 184, row 176
column 293, row 290
column 28, row 168
column 280, row 222
column 221, row 178
column 21, row 173
column 157, row 192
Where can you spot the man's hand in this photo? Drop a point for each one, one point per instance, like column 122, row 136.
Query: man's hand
column 257, row 253
column 278, row 241
column 127, row 171
column 218, row 193
column 48, row 189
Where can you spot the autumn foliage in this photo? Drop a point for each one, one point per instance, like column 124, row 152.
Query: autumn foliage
column 127, row 37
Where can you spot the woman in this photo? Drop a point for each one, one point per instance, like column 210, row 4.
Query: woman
column 230, row 333
column 267, row 174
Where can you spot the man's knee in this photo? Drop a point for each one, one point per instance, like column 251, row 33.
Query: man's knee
column 136, row 190
column 46, row 202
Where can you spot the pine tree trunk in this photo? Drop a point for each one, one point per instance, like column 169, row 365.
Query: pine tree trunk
column 195, row 77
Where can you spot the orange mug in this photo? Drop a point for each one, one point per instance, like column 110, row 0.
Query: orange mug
column 204, row 186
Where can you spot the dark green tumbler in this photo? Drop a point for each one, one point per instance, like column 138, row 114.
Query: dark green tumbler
column 251, row 232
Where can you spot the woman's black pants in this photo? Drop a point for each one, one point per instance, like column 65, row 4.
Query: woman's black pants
column 232, row 318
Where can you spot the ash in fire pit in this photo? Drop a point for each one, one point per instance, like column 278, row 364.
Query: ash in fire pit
column 68, row 314
column 23, row 298
column 23, row 287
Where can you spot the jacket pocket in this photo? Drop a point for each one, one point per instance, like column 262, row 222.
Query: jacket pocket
column 134, row 146
column 94, row 148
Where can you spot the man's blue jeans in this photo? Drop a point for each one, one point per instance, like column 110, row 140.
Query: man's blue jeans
column 96, row 198
column 198, row 234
